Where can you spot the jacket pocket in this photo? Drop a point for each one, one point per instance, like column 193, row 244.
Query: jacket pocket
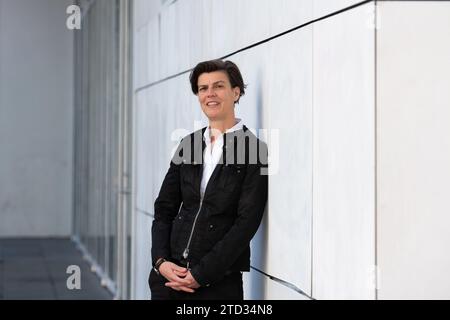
column 177, row 224
column 233, row 176
column 214, row 233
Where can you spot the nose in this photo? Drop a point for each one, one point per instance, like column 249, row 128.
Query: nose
column 211, row 92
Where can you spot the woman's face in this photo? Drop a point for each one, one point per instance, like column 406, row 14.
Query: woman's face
column 216, row 96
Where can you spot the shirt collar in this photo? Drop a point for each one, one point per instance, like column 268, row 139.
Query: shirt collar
column 236, row 127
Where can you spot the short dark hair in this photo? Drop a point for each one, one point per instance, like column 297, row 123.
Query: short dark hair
column 230, row 68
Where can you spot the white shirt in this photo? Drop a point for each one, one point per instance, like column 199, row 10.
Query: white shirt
column 212, row 154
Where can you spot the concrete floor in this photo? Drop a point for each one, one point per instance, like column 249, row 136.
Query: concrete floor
column 36, row 269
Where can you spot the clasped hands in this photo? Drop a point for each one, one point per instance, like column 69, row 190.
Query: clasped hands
column 179, row 278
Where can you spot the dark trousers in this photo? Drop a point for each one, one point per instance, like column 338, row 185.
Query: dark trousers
column 229, row 288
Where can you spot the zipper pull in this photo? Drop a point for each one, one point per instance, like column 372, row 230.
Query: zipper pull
column 185, row 253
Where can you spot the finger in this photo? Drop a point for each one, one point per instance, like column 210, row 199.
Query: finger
column 179, row 273
column 174, row 287
column 189, row 278
column 183, row 288
column 177, row 283
column 181, row 281
column 185, row 272
column 177, row 287
column 187, row 289
column 178, row 268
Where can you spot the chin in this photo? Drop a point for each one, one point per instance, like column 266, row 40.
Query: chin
column 213, row 115
column 212, row 118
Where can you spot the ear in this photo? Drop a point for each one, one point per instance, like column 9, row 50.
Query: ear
column 237, row 92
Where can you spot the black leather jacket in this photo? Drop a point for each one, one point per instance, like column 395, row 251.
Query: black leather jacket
column 211, row 235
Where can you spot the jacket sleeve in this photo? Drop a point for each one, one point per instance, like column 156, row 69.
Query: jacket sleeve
column 167, row 205
column 251, row 207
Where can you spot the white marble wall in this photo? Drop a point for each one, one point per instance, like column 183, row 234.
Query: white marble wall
column 343, row 157
column 413, row 155
column 323, row 8
column 288, row 104
column 315, row 89
column 180, row 35
column 280, row 98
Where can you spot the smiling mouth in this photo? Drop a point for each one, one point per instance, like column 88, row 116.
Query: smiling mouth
column 213, row 104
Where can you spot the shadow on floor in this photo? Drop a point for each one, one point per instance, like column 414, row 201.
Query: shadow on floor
column 36, row 269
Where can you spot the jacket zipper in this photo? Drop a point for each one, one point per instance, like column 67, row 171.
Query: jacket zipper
column 186, row 251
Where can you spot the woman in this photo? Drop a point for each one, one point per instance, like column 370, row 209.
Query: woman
column 212, row 198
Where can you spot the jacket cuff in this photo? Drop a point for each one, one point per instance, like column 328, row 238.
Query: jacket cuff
column 201, row 280
column 159, row 254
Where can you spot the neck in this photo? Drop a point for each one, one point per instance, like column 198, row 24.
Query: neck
column 222, row 125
